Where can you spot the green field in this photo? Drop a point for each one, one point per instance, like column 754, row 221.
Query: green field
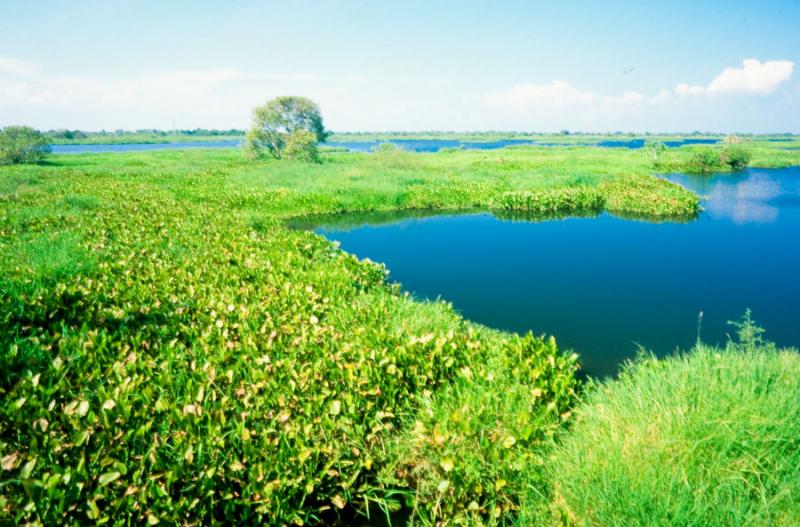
column 174, row 353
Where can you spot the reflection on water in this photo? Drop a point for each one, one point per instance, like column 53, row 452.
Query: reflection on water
column 753, row 195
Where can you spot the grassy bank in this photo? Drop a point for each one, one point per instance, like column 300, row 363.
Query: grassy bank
column 173, row 353
column 705, row 438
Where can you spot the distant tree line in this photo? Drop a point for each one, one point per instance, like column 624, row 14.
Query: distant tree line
column 80, row 134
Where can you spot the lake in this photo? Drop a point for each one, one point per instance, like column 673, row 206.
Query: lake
column 413, row 145
column 605, row 286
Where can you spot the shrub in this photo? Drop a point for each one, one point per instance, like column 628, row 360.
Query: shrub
column 22, row 144
column 705, row 160
column 707, row 438
column 736, row 157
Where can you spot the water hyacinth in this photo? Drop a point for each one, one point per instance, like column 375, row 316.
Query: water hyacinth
column 201, row 368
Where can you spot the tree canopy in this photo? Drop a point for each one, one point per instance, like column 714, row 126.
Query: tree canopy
column 22, row 144
column 286, row 121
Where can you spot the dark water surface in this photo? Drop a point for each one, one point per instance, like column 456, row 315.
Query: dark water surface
column 604, row 285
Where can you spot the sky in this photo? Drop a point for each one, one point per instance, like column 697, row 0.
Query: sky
column 676, row 66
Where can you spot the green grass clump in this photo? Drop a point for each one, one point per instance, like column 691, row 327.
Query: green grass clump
column 551, row 201
column 707, row 438
column 651, row 198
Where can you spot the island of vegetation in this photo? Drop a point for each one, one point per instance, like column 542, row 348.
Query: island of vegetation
column 172, row 353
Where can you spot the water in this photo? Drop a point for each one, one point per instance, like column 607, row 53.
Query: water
column 429, row 145
column 140, row 147
column 434, row 145
column 413, row 145
column 605, row 285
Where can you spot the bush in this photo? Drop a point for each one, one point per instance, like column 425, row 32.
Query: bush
column 22, row 144
column 708, row 438
column 736, row 157
column 705, row 160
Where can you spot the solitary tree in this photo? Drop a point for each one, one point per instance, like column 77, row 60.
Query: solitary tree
column 286, row 127
column 22, row 144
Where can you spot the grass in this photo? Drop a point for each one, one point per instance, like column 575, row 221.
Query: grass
column 706, row 438
column 145, row 137
column 173, row 353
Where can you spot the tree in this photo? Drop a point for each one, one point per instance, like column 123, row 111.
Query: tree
column 22, row 144
column 280, row 123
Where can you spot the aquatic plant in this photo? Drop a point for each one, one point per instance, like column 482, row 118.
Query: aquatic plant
column 475, row 448
column 166, row 361
column 549, row 201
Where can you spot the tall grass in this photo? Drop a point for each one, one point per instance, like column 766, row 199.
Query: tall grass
column 707, row 438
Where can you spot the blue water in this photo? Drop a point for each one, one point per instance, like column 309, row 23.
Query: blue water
column 413, row 145
column 434, row 145
column 140, row 147
column 605, row 285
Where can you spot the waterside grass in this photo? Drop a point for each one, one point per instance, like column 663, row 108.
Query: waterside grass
column 704, row 438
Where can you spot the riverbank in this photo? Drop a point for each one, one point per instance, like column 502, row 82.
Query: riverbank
column 175, row 351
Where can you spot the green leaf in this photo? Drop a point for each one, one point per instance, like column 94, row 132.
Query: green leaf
column 108, row 477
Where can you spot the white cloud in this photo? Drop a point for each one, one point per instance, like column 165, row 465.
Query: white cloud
column 684, row 90
column 559, row 93
column 754, row 77
column 14, row 66
column 219, row 97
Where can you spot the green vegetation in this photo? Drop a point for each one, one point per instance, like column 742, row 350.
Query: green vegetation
column 707, row 438
column 706, row 160
column 22, row 144
column 475, row 447
column 173, row 353
column 734, row 157
column 287, row 127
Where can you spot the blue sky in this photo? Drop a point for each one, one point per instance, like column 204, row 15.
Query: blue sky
column 467, row 65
